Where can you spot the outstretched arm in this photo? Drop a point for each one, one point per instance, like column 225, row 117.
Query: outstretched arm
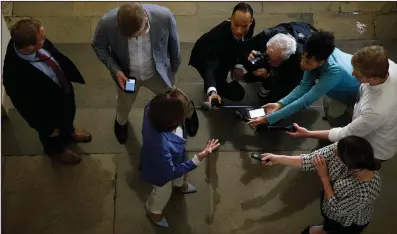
column 304, row 99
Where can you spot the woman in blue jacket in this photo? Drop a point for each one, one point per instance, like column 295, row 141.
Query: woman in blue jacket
column 163, row 156
column 328, row 74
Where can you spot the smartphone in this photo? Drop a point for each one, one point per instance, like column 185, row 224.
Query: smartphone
column 257, row 156
column 130, row 85
column 257, row 113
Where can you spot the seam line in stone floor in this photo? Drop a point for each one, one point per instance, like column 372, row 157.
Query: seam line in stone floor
column 115, row 154
column 114, row 199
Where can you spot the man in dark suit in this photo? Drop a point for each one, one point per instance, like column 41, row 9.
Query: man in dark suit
column 37, row 78
column 218, row 51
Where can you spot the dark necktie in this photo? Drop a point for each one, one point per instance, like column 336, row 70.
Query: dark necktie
column 57, row 70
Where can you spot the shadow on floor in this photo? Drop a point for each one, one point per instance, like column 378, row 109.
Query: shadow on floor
column 297, row 190
column 44, row 196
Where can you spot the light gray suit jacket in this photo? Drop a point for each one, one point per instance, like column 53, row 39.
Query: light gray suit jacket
column 112, row 48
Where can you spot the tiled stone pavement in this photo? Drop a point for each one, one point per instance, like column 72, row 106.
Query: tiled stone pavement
column 104, row 194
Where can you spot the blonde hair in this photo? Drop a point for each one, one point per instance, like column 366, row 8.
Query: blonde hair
column 371, row 61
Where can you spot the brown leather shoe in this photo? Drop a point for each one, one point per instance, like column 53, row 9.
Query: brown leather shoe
column 81, row 136
column 67, row 156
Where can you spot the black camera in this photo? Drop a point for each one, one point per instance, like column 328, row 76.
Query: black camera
column 243, row 114
column 261, row 60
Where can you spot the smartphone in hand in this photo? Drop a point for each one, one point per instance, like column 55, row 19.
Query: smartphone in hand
column 258, row 156
column 130, row 85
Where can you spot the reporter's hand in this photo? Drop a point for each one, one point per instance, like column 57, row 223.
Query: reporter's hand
column 121, row 79
column 55, row 133
column 214, row 95
column 300, row 131
column 272, row 107
column 262, row 72
column 253, row 123
column 209, row 148
column 251, row 56
column 321, row 166
column 269, row 159
column 237, row 74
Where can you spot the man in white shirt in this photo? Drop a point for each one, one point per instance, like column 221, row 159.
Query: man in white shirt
column 374, row 115
column 137, row 42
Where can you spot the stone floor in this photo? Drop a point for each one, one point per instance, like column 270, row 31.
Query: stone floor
column 103, row 193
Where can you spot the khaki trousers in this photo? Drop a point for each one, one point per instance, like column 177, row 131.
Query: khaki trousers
column 160, row 196
column 125, row 100
column 337, row 113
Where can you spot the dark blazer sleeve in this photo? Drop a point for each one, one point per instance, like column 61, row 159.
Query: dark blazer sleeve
column 209, row 74
column 71, row 71
column 205, row 57
column 29, row 106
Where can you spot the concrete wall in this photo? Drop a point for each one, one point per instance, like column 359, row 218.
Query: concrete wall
column 74, row 22
column 6, row 104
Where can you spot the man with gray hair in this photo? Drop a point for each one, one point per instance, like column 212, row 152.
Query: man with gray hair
column 275, row 56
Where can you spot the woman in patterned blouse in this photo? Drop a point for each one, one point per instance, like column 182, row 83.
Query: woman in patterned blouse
column 351, row 182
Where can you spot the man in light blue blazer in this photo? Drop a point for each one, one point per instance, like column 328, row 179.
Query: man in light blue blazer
column 139, row 44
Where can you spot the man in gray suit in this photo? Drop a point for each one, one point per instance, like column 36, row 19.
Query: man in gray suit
column 140, row 43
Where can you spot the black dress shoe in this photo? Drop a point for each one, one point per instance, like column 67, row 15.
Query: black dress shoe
column 307, row 230
column 121, row 132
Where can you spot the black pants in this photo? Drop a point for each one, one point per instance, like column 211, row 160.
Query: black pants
column 53, row 145
column 333, row 227
column 278, row 89
column 232, row 91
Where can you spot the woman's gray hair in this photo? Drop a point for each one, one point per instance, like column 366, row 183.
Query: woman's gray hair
column 285, row 42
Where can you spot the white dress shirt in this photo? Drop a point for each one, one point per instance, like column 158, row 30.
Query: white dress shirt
column 375, row 117
column 41, row 65
column 142, row 65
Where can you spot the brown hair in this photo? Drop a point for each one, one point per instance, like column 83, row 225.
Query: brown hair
column 24, row 33
column 371, row 61
column 168, row 110
column 357, row 153
column 130, row 18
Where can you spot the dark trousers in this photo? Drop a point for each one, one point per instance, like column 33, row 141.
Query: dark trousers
column 53, row 145
column 278, row 89
column 333, row 227
column 232, row 91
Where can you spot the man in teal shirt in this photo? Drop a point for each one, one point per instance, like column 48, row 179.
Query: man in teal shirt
column 328, row 71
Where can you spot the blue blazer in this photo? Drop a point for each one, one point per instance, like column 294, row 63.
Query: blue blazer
column 163, row 155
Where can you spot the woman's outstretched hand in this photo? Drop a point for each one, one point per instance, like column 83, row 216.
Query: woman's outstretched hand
column 209, row 148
